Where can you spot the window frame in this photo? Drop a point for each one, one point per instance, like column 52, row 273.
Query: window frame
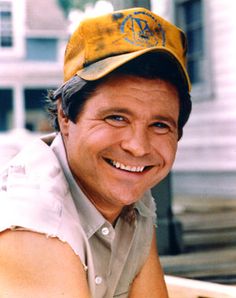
column 18, row 14
column 201, row 90
column 6, row 33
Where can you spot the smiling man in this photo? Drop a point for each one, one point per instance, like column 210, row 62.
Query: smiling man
column 76, row 214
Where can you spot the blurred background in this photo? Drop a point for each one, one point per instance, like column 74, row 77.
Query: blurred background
column 201, row 191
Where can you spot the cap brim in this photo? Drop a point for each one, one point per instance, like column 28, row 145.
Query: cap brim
column 101, row 68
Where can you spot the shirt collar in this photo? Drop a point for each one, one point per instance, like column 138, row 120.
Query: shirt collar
column 146, row 206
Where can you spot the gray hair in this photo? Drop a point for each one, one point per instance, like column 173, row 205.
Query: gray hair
column 67, row 93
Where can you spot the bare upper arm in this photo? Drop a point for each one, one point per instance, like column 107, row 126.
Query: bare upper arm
column 32, row 265
column 150, row 281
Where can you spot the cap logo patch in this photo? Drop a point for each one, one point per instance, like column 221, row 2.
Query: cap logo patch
column 137, row 30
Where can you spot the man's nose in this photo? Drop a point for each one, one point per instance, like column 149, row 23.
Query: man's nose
column 137, row 142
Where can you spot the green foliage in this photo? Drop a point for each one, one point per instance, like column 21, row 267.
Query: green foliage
column 67, row 5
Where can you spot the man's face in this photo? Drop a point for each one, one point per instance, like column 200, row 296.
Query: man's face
column 124, row 142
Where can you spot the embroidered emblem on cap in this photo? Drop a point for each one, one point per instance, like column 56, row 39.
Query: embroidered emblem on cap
column 142, row 29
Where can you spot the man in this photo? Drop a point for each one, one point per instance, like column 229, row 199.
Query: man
column 119, row 116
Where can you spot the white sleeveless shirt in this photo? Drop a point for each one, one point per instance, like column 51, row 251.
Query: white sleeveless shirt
column 38, row 193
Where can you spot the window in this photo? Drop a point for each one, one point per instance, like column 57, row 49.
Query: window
column 189, row 18
column 41, row 49
column 189, row 15
column 6, row 26
column 36, row 117
column 6, row 110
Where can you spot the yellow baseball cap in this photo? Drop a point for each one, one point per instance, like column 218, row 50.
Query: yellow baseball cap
column 100, row 45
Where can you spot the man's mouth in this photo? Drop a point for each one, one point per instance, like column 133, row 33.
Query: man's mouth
column 128, row 168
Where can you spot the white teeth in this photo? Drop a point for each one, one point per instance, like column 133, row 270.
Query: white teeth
column 118, row 165
column 128, row 168
column 121, row 166
column 141, row 169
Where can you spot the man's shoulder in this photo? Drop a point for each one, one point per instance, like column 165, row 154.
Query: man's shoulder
column 32, row 264
column 35, row 154
column 32, row 173
column 35, row 197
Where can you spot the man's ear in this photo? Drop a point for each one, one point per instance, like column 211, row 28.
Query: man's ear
column 63, row 120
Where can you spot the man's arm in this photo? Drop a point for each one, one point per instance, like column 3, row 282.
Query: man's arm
column 150, row 281
column 32, row 265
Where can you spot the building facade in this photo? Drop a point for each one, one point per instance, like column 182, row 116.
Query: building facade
column 206, row 161
column 32, row 42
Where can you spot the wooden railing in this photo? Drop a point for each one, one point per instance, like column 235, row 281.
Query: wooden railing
column 188, row 288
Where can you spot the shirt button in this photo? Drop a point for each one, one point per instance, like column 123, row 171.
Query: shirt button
column 105, row 231
column 98, row 280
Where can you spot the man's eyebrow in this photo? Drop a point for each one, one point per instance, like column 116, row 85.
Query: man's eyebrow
column 114, row 110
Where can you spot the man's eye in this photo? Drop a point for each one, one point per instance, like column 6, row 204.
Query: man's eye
column 116, row 120
column 161, row 127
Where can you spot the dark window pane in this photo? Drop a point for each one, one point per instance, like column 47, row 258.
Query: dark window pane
column 6, row 104
column 36, row 117
column 35, row 98
column 5, row 15
column 195, row 43
column 194, row 71
column 192, row 11
column 6, row 41
column 6, row 34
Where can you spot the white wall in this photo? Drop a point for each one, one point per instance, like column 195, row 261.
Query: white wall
column 206, row 159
